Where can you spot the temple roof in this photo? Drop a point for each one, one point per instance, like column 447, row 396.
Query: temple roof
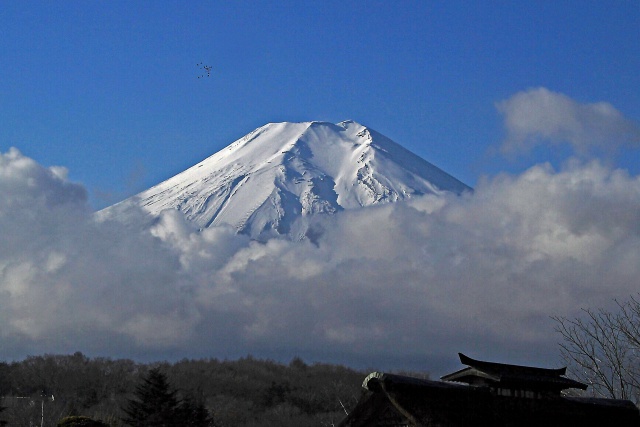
column 504, row 375
column 398, row 400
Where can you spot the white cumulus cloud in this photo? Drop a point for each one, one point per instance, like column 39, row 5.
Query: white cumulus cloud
column 540, row 116
column 401, row 285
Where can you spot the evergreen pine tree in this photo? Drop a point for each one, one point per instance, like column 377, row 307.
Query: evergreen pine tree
column 155, row 403
column 194, row 413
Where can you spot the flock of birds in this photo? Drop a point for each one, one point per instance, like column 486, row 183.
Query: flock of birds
column 206, row 68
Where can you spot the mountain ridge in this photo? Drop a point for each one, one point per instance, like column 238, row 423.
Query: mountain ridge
column 263, row 182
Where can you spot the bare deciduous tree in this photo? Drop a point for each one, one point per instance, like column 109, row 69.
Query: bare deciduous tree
column 602, row 349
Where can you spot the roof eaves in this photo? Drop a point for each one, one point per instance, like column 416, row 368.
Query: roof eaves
column 460, row 375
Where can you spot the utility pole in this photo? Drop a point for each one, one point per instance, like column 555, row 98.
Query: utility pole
column 43, row 396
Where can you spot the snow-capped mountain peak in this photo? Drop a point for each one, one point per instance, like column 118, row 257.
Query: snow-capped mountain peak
column 264, row 181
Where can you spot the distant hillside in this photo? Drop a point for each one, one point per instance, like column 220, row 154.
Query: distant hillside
column 241, row 393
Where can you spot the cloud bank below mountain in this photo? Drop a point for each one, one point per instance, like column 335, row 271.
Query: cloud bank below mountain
column 401, row 285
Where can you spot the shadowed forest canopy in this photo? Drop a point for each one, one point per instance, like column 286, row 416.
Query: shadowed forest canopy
column 245, row 392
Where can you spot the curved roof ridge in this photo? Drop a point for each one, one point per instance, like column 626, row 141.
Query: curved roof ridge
column 494, row 366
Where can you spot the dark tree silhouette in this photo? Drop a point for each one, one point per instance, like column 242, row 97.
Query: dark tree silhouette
column 155, row 403
column 193, row 413
column 602, row 349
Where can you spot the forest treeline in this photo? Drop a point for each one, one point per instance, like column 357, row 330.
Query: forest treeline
column 247, row 392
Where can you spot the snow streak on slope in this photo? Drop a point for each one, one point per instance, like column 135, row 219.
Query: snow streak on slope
column 262, row 183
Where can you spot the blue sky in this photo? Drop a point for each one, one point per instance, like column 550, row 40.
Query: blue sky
column 110, row 89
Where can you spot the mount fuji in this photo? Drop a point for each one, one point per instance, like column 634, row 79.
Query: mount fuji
column 265, row 182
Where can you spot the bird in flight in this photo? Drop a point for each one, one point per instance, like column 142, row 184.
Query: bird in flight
column 207, row 69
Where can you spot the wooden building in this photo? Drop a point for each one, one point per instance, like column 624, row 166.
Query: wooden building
column 485, row 393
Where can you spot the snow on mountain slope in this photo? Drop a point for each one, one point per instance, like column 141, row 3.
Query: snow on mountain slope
column 263, row 182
